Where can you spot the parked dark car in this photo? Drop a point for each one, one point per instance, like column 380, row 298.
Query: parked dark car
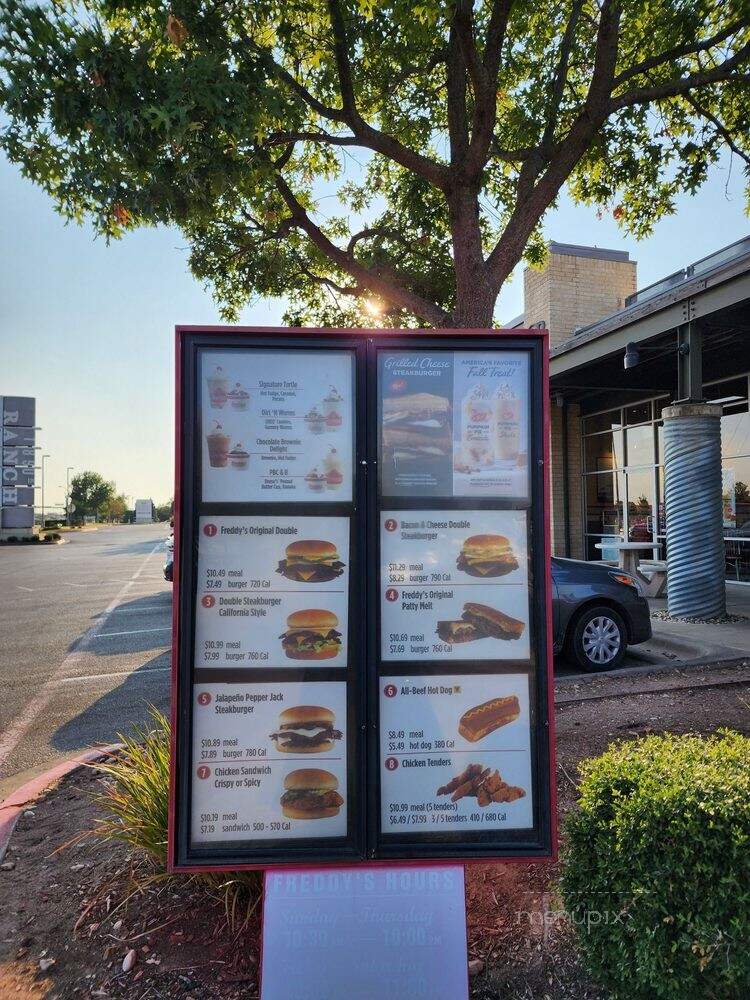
column 597, row 611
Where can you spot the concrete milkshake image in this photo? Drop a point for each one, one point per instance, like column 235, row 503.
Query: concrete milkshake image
column 218, row 388
column 507, row 431
column 218, row 447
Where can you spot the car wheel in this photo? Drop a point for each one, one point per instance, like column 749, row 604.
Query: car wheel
column 599, row 639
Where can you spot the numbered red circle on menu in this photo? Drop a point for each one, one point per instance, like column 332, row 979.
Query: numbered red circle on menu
column 391, row 594
column 204, row 698
column 208, row 601
column 210, row 530
column 203, row 772
column 391, row 524
column 391, row 763
column 390, row 690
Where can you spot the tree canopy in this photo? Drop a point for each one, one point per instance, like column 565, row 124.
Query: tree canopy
column 91, row 494
column 362, row 156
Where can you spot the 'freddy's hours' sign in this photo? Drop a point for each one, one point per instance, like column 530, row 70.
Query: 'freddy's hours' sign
column 363, row 644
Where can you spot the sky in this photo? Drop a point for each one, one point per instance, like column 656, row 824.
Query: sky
column 88, row 329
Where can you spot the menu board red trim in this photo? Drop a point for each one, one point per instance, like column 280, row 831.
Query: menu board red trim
column 281, row 334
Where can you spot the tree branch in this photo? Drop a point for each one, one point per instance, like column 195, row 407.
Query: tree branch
column 691, row 48
column 372, row 138
column 721, row 129
column 558, row 86
column 533, row 201
column 496, row 29
column 682, row 85
column 389, row 287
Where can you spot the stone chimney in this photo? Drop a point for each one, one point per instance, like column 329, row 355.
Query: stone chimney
column 578, row 286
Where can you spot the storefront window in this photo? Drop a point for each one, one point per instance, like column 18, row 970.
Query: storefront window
column 624, row 476
column 640, row 445
column 603, row 452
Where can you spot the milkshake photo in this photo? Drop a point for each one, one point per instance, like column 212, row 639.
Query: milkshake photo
column 218, row 447
column 507, row 425
column 218, row 388
column 477, row 427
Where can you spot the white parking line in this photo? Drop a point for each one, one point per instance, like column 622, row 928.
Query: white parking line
column 138, row 611
column 18, row 729
column 114, row 673
column 135, row 631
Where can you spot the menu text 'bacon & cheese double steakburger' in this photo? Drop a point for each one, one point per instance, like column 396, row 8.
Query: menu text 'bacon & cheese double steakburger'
column 311, row 635
column 487, row 555
column 310, row 794
column 311, row 561
column 306, row 729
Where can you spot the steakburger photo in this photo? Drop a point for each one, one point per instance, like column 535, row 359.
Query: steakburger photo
column 310, row 794
column 306, row 729
column 311, row 561
column 487, row 555
column 311, row 635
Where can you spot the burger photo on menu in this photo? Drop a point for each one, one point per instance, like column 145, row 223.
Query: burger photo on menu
column 311, row 635
column 479, row 621
column 487, row 556
column 310, row 794
column 306, row 729
column 311, row 561
column 417, row 429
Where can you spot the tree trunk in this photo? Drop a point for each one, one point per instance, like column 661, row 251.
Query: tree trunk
column 475, row 299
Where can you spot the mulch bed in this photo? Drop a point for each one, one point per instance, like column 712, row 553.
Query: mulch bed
column 70, row 915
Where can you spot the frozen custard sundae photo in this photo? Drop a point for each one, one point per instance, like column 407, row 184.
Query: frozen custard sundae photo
column 218, row 388
column 238, row 397
column 218, row 446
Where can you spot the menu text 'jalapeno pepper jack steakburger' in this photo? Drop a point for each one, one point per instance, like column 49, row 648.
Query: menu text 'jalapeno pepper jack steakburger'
column 480, row 622
column 306, row 729
column 311, row 561
column 311, row 635
column 417, row 426
column 487, row 555
column 310, row 794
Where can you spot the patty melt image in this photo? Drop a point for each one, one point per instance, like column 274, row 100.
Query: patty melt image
column 479, row 621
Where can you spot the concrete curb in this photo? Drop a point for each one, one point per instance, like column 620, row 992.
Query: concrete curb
column 35, row 789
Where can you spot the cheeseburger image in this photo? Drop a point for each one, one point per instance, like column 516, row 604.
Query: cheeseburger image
column 487, row 555
column 306, row 729
column 310, row 794
column 311, row 635
column 479, row 621
column 311, row 561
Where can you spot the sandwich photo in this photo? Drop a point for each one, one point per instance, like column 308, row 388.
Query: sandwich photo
column 311, row 561
column 480, row 721
column 306, row 729
column 479, row 621
column 311, row 635
column 310, row 794
column 417, row 426
column 487, row 555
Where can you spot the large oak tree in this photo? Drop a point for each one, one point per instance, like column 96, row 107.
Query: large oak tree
column 358, row 154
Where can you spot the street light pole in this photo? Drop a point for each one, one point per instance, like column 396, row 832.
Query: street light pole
column 44, row 457
column 67, row 496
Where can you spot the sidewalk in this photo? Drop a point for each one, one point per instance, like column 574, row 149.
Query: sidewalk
column 695, row 643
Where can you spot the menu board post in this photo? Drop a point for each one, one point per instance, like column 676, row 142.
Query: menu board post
column 362, row 630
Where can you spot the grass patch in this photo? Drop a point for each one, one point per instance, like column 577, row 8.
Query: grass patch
column 134, row 805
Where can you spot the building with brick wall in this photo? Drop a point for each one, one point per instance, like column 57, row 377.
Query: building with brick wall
column 643, row 382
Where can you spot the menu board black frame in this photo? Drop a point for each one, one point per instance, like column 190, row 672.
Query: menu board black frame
column 364, row 842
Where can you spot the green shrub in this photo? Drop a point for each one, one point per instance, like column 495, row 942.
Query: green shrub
column 135, row 807
column 657, row 868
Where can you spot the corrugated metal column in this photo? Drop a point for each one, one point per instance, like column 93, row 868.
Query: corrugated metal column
column 692, row 496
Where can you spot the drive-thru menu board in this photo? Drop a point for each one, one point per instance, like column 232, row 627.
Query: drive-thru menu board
column 362, row 658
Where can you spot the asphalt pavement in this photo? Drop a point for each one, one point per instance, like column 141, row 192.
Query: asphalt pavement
column 85, row 648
